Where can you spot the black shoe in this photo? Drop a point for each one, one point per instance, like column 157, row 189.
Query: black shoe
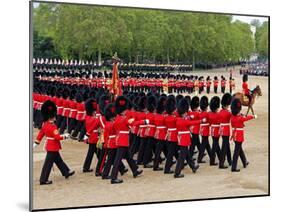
column 147, row 166
column 158, row 169
column 201, row 161
column 116, row 181
column 169, row 172
column 194, row 159
column 247, row 163
column 48, row 182
column 174, row 162
column 73, row 138
column 213, row 164
column 124, row 171
column 230, row 163
column 235, row 170
column 223, row 167
column 195, row 168
column 97, row 174
column 178, row 175
column 137, row 173
column 69, row 174
column 87, row 170
column 105, row 177
column 195, row 152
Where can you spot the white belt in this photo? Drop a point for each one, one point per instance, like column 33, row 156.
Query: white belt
column 124, row 132
column 204, row 124
column 50, row 138
column 183, row 132
column 80, row 111
column 141, row 126
column 172, row 129
column 95, row 131
column 241, row 129
column 60, row 107
column 225, row 124
column 150, row 125
column 161, row 127
column 215, row 125
column 73, row 110
column 112, row 136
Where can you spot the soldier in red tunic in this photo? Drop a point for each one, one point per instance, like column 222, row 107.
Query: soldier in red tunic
column 237, row 123
column 246, row 90
column 204, row 129
column 194, row 114
column 122, row 125
column 80, row 116
column 110, row 142
column 225, row 115
column 223, row 84
column 160, row 133
column 52, row 145
column 171, row 137
column 216, row 84
column 150, row 131
column 214, row 121
column 208, row 84
column 184, row 139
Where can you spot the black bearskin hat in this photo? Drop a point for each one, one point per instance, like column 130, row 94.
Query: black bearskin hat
column 90, row 106
column 204, row 103
column 214, row 103
column 121, row 104
column 194, row 102
column 245, row 78
column 161, row 104
column 65, row 93
column 226, row 99
column 48, row 110
column 235, row 107
column 170, row 104
column 215, row 78
column 151, row 103
column 182, row 106
column 103, row 101
column 135, row 103
column 178, row 98
column 79, row 97
column 142, row 103
column 109, row 111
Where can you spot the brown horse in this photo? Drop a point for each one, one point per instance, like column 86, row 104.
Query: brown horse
column 245, row 101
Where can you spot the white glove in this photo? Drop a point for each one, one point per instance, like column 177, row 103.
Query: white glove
column 35, row 145
column 255, row 116
column 85, row 137
column 65, row 136
column 192, row 116
column 204, row 120
column 146, row 121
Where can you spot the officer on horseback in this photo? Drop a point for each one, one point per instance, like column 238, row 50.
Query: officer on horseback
column 246, row 90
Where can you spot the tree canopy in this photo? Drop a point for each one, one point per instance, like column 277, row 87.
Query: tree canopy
column 262, row 40
column 142, row 35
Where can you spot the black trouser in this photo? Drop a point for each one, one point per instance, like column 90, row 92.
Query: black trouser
column 148, row 151
column 225, row 151
column 135, row 145
column 143, row 143
column 53, row 157
column 72, row 125
column 184, row 154
column 215, row 89
column 90, row 154
column 222, row 89
column 64, row 124
column 215, row 150
column 205, row 145
column 78, row 128
column 238, row 151
column 38, row 120
column 111, row 154
column 161, row 145
column 195, row 142
column 122, row 152
column 172, row 147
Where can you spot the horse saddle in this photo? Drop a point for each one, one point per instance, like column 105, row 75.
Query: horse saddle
column 245, row 98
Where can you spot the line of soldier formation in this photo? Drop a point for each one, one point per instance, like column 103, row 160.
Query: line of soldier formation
column 162, row 132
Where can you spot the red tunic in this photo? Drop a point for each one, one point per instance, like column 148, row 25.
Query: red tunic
column 142, row 127
column 121, row 125
column 109, row 135
column 214, row 120
column 194, row 115
column 237, row 123
column 182, row 125
column 161, row 129
column 150, row 129
column 66, row 108
column 92, row 124
column 73, row 109
column 170, row 123
column 80, row 116
column 50, row 130
column 246, row 90
column 204, row 127
column 225, row 116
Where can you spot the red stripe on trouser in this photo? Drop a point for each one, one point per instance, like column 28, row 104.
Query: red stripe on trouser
column 103, row 161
